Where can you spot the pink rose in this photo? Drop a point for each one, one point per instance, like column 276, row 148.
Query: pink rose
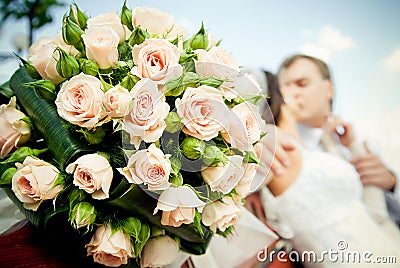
column 101, row 46
column 221, row 214
column 203, row 111
column 110, row 248
column 224, row 178
column 159, row 251
column 110, row 19
column 45, row 60
column 34, row 182
column 149, row 167
column 245, row 127
column 14, row 132
column 148, row 109
column 93, row 174
column 178, row 206
column 116, row 101
column 156, row 59
column 80, row 101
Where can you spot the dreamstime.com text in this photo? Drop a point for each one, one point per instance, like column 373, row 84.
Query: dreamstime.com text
column 341, row 254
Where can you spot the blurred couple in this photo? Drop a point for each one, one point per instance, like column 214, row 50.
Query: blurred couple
column 326, row 187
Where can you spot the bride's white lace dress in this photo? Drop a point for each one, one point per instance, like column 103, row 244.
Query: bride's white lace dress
column 325, row 210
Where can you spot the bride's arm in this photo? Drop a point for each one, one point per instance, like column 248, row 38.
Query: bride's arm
column 279, row 183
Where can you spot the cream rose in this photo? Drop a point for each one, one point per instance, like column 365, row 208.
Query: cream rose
column 221, row 214
column 116, row 101
column 203, row 111
column 14, row 132
column 148, row 109
column 45, row 60
column 159, row 251
column 217, row 62
column 224, row 178
column 245, row 127
column 110, row 19
column 101, row 46
column 59, row 41
column 157, row 22
column 93, row 174
column 244, row 187
column 156, row 59
column 34, row 182
column 110, row 248
column 80, row 101
column 178, row 206
column 149, row 167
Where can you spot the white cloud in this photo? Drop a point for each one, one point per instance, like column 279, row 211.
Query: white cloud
column 328, row 42
column 392, row 62
column 318, row 51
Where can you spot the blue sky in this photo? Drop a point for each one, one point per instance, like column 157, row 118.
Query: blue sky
column 360, row 40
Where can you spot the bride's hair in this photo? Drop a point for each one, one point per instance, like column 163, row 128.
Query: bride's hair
column 274, row 100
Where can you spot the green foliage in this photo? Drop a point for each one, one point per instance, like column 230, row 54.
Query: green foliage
column 38, row 12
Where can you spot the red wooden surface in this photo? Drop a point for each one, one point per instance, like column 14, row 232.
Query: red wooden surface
column 21, row 246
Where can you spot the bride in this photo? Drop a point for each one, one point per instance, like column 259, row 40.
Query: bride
column 320, row 197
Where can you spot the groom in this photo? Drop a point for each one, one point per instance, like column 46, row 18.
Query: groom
column 309, row 80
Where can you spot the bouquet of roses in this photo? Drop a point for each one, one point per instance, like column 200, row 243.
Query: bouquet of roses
column 128, row 138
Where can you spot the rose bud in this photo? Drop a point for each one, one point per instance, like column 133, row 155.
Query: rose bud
column 126, row 16
column 138, row 36
column 44, row 89
column 83, row 214
column 77, row 16
column 173, row 122
column 193, row 148
column 88, row 66
column 30, row 69
column 200, row 39
column 67, row 66
column 213, row 156
column 71, row 32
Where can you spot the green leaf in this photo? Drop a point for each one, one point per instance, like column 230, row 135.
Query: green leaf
column 251, row 157
column 144, row 235
column 132, row 227
column 197, row 222
column 21, row 153
column 211, row 81
column 228, row 231
column 6, row 177
column 6, row 91
column 93, row 137
column 178, row 85
column 254, row 99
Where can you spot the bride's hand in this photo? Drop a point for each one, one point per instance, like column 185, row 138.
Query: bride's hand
column 272, row 152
